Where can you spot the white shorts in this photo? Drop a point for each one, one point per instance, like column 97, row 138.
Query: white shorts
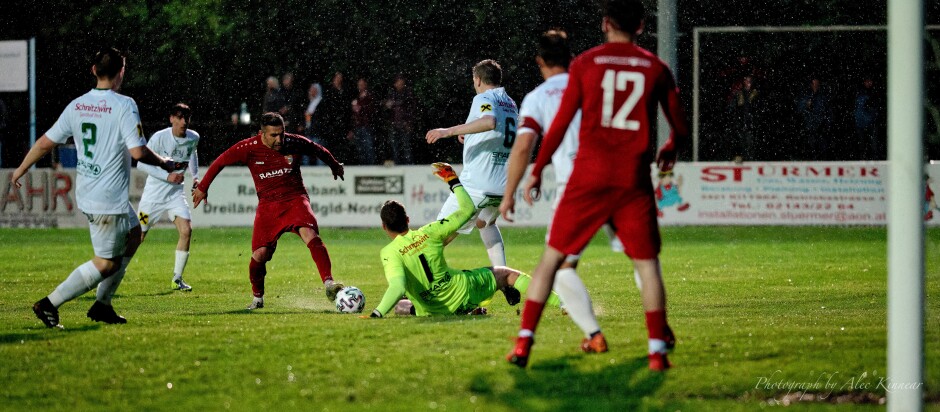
column 150, row 212
column 109, row 233
column 487, row 209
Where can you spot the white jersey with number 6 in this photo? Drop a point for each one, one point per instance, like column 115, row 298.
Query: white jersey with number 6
column 105, row 125
column 181, row 150
column 485, row 154
column 538, row 110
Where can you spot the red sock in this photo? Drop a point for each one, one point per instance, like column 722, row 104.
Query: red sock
column 321, row 258
column 656, row 324
column 531, row 314
column 256, row 272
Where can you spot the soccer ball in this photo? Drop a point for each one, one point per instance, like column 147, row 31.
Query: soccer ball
column 350, row 300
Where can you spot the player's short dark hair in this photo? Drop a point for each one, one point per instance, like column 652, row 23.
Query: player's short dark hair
column 394, row 216
column 271, row 119
column 181, row 110
column 108, row 62
column 553, row 48
column 489, row 72
column 627, row 15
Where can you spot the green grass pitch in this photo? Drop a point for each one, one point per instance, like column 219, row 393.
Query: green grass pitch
column 756, row 311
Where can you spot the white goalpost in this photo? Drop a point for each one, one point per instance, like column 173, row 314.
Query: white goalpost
column 905, row 260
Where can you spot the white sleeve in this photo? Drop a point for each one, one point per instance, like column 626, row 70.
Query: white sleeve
column 155, row 171
column 60, row 131
column 130, row 128
column 194, row 158
column 482, row 106
column 529, row 113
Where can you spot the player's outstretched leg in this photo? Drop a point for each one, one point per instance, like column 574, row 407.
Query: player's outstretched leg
column 661, row 338
column 542, row 279
column 80, row 281
column 578, row 304
column 321, row 258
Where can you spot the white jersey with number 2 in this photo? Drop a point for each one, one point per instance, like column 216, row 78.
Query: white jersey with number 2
column 105, row 125
column 485, row 154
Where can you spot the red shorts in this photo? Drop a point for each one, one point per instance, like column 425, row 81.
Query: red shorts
column 584, row 209
column 272, row 219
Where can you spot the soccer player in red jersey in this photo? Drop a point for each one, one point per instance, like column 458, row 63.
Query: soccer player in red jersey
column 617, row 86
column 273, row 158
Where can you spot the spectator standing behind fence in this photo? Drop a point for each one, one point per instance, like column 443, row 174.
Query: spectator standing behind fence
column 333, row 116
column 402, row 110
column 867, row 114
column 273, row 99
column 813, row 106
column 745, row 112
column 362, row 135
column 294, row 104
column 314, row 97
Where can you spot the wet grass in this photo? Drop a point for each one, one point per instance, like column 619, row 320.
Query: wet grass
column 758, row 311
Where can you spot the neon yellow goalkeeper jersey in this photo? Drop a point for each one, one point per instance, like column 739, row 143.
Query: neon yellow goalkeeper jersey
column 415, row 266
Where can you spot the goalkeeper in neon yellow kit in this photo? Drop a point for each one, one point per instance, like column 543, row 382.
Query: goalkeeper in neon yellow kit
column 415, row 266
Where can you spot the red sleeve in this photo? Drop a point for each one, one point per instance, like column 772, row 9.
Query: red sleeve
column 235, row 154
column 310, row 148
column 672, row 108
column 570, row 103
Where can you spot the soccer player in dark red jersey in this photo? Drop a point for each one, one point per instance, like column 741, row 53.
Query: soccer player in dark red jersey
column 273, row 158
column 618, row 87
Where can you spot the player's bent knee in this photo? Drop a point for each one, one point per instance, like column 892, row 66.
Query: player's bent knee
column 261, row 254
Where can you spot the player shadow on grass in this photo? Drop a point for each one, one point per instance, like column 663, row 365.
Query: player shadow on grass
column 17, row 338
column 560, row 384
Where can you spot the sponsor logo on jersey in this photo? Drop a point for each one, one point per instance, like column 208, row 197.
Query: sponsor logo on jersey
column 144, row 218
column 289, row 159
column 506, row 103
column 500, row 158
column 275, row 173
column 623, row 61
column 486, row 108
column 86, row 168
column 259, row 163
column 435, row 288
column 418, row 241
column 101, row 107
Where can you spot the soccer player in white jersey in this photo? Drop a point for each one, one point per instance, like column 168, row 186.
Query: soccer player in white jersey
column 537, row 112
column 107, row 131
column 164, row 192
column 488, row 135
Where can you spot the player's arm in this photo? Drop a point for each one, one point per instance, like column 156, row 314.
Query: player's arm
column 40, row 149
column 133, row 134
column 570, row 104
column 395, row 275
column 234, row 154
column 315, row 149
column 194, row 167
column 678, row 123
column 483, row 124
column 518, row 161
column 446, row 227
column 156, row 172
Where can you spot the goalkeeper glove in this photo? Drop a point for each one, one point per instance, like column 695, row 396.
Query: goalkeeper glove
column 446, row 173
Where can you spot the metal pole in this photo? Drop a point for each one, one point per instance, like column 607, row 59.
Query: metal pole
column 905, row 203
column 32, row 91
column 695, row 92
column 667, row 36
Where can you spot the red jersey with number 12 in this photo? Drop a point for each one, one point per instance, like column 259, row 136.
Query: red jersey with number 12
column 617, row 86
column 276, row 173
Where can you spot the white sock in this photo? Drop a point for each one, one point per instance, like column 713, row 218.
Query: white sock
column 81, row 280
column 182, row 256
column 109, row 285
column 615, row 244
column 493, row 240
column 657, row 346
column 571, row 290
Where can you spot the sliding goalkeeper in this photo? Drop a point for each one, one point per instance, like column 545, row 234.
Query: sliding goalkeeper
column 415, row 266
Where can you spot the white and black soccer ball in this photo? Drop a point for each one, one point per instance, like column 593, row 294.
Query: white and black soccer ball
column 350, row 300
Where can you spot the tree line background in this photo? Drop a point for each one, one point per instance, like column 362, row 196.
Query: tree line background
column 216, row 54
